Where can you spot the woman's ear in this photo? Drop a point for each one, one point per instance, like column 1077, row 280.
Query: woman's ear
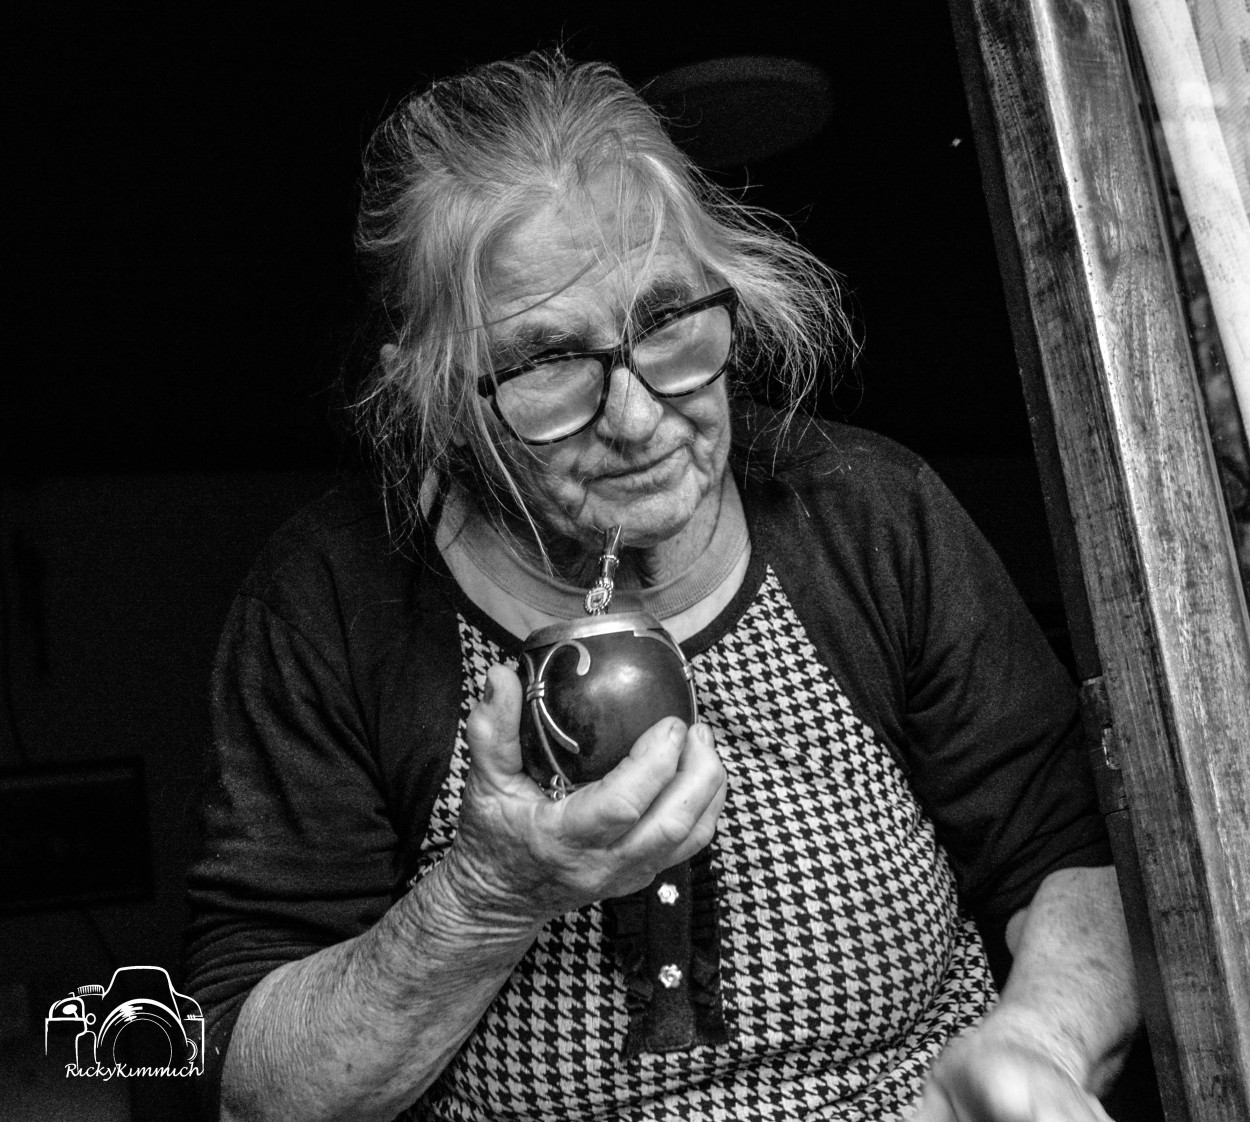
column 387, row 355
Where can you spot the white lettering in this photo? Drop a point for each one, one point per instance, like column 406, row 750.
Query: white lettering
column 122, row 1071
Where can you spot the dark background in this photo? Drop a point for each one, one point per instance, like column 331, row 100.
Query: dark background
column 188, row 190
column 180, row 238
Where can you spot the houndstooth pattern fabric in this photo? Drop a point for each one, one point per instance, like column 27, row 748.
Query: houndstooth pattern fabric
column 845, row 966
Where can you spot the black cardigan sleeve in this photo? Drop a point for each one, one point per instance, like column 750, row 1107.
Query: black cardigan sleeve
column 992, row 726
column 298, row 850
column 924, row 632
column 335, row 700
column 299, row 847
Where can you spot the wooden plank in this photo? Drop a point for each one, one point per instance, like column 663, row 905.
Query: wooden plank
column 1218, row 204
column 1097, row 306
column 1094, row 704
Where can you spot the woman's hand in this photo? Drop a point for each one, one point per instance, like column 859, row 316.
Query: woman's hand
column 523, row 857
column 989, row 1075
column 1059, row 1034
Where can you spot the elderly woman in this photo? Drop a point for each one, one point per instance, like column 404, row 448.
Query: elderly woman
column 390, row 915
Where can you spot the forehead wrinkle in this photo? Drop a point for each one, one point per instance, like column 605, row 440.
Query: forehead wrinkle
column 667, row 290
column 559, row 290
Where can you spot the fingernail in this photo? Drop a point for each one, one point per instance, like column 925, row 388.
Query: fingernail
column 704, row 735
column 676, row 731
column 488, row 691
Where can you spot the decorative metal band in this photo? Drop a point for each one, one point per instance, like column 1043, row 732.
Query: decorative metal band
column 598, row 598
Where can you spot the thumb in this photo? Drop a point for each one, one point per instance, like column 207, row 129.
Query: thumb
column 493, row 727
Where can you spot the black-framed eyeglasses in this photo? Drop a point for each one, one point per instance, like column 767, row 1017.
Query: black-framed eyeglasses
column 555, row 395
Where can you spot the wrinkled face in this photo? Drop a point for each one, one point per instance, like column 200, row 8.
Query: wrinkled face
column 652, row 466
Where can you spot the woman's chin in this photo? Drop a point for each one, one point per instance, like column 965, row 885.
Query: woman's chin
column 644, row 525
column 648, row 521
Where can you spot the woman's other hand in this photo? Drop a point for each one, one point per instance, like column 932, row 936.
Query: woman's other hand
column 1062, row 1028
column 989, row 1076
column 521, row 856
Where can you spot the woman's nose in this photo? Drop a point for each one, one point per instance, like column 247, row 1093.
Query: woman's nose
column 631, row 413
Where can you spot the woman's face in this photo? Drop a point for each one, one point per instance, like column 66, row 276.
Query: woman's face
column 652, row 466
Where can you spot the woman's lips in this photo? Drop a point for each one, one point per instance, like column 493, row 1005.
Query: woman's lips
column 632, row 478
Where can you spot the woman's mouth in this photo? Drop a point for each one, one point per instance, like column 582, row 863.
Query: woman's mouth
column 634, row 476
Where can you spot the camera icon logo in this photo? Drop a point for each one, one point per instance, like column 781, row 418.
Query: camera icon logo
column 138, row 1021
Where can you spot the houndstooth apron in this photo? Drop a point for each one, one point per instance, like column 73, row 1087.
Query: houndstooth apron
column 845, row 964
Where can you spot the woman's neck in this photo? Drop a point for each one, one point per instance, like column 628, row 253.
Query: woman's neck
column 685, row 581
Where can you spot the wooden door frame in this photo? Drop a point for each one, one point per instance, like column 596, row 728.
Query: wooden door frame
column 1154, row 599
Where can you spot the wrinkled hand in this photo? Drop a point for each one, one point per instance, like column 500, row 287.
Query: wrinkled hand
column 990, row 1075
column 523, row 855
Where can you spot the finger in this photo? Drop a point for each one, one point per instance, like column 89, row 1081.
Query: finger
column 646, row 850
column 1069, row 1104
column 493, row 727
column 610, row 808
column 682, row 819
column 676, row 817
column 704, row 829
column 1006, row 1096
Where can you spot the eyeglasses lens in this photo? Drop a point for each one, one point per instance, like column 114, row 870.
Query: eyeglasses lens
column 559, row 397
column 554, row 399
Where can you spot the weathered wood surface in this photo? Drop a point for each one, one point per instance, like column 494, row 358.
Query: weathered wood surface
column 1100, row 307
column 1212, row 165
column 1094, row 703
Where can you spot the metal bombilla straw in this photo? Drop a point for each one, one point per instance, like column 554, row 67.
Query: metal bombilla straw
column 599, row 596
